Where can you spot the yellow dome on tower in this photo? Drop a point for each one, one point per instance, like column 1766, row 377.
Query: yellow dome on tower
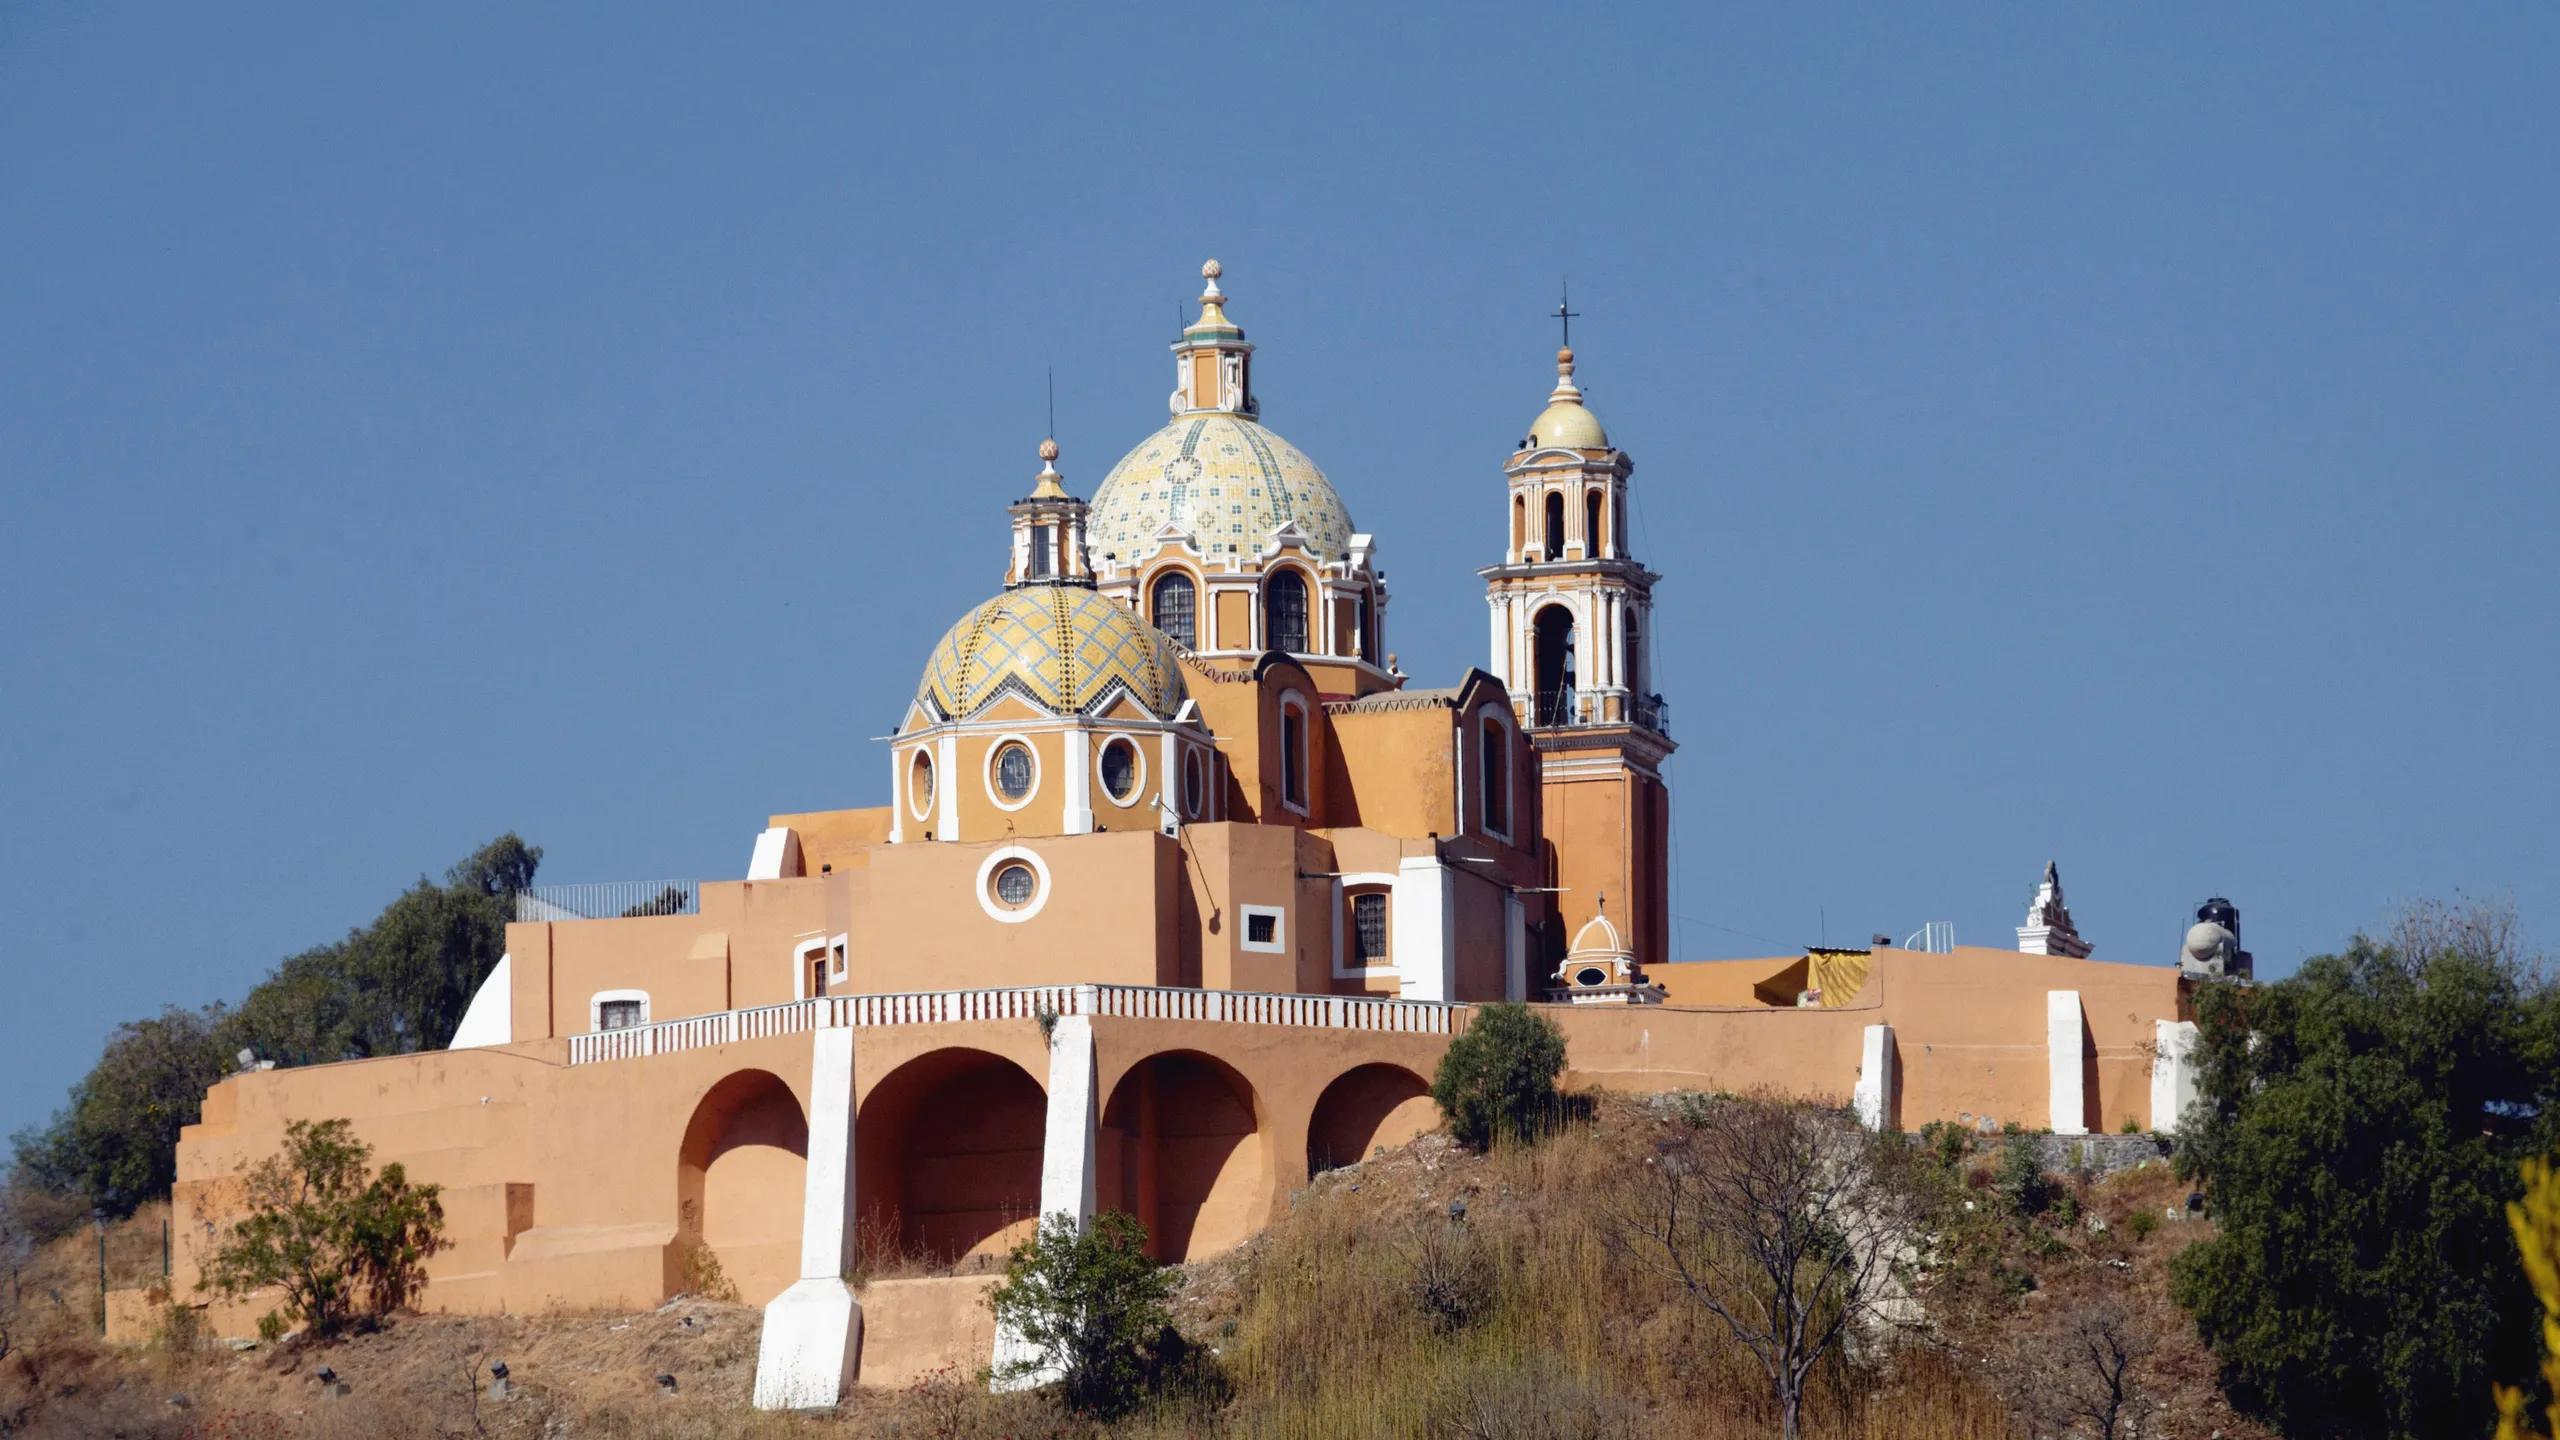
column 1566, row 421
column 1222, row 479
column 1063, row 648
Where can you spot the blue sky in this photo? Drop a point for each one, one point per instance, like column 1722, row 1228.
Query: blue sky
column 2116, row 435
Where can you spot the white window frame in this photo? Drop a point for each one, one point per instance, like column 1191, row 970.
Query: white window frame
column 932, row 767
column 995, row 860
column 995, row 792
column 596, row 1004
column 1279, row 942
column 1383, row 880
column 1137, row 777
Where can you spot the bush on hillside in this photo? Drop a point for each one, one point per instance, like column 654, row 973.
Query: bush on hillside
column 1498, row 1080
column 398, row 985
column 336, row 1242
column 2361, row 1127
column 2536, row 1222
column 2023, row 1187
column 1088, row 1306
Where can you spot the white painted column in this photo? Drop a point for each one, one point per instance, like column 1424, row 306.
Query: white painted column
column 1422, row 929
column 2062, row 1057
column 1066, row 1168
column 1515, row 947
column 811, row 1349
column 1497, row 648
column 1078, row 819
column 2173, row 1073
column 946, row 788
column 1879, row 1079
column 898, row 763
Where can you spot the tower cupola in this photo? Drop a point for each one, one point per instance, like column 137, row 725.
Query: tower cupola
column 1213, row 363
column 1048, row 531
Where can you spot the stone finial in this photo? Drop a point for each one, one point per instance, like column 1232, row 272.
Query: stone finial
column 1210, row 294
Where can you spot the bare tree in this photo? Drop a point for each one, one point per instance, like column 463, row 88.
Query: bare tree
column 2080, row 1367
column 1783, row 1220
column 2464, row 925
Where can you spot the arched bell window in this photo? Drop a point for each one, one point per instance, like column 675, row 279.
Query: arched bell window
column 1591, row 533
column 1555, row 524
column 1175, row 610
column 1284, row 612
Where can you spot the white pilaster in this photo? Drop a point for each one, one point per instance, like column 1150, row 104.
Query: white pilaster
column 1423, row 926
column 1879, row 1079
column 2062, row 1028
column 1066, row 1168
column 1515, row 948
column 491, row 1017
column 946, row 788
column 1078, row 819
column 811, row 1349
column 2173, row 1073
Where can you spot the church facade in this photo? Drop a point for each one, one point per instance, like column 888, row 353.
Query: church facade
column 1181, row 890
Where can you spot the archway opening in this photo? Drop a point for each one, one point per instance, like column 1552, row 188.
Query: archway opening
column 947, row 1161
column 1554, row 645
column 740, row 1175
column 1182, row 1150
column 1363, row 1109
column 1284, row 612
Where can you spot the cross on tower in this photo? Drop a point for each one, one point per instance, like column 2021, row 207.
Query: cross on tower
column 1565, row 312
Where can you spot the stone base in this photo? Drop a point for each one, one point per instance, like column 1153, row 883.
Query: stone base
column 811, row 1350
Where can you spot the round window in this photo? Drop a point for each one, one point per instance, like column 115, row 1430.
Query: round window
column 920, row 785
column 1590, row 975
column 1192, row 786
column 1120, row 769
column 1013, row 770
column 1015, row 885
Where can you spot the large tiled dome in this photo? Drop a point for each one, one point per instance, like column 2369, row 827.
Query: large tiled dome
column 1065, row 649
column 1226, row 481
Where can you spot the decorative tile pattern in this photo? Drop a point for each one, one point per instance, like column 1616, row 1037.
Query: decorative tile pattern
column 1064, row 649
column 1226, row 481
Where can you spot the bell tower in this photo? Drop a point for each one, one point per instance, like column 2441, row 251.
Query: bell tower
column 1572, row 615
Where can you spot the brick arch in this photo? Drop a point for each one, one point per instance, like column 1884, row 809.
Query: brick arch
column 1365, row 1107
column 1183, row 1148
column 740, row 1176
column 947, row 1159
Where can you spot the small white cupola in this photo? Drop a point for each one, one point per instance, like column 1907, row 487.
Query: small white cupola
column 1048, row 531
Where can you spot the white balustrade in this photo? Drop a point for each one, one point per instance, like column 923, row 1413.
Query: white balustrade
column 929, row 1007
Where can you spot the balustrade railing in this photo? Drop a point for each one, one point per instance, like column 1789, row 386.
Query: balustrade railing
column 1030, row 1002
column 609, row 900
column 1568, row 708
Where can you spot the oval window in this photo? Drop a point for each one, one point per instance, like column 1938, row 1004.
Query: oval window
column 1193, row 788
column 1120, row 769
column 1015, row 885
column 1013, row 770
column 1590, row 975
column 920, row 785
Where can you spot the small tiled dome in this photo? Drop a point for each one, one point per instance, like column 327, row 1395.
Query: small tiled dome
column 1223, row 479
column 1065, row 649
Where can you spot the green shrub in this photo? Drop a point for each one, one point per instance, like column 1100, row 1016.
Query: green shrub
column 2142, row 1222
column 1498, row 1081
column 330, row 1238
column 1089, row 1306
column 2021, row 1180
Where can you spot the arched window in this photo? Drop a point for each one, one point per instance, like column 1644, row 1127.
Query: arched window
column 1284, row 612
column 1493, row 749
column 1555, row 524
column 1369, row 928
column 1591, row 534
column 1553, row 632
column 1519, row 524
column 1176, row 610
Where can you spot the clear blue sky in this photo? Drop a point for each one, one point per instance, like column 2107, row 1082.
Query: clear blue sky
column 2117, row 435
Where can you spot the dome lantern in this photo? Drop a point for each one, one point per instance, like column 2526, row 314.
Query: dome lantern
column 1213, row 363
column 1048, row 531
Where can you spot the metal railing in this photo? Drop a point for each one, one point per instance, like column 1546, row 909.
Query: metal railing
column 1574, row 708
column 609, row 900
column 939, row 1007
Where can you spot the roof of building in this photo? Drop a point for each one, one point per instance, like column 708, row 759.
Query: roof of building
column 1063, row 648
column 1223, row 479
column 1440, row 697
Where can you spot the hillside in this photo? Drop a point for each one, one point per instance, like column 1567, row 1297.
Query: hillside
column 1366, row 1310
